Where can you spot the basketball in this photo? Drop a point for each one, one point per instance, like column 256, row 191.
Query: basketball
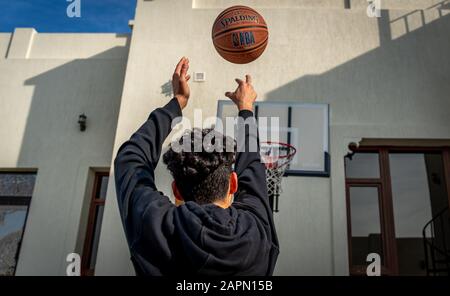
column 240, row 34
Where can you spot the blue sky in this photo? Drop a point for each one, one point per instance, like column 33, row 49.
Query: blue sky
column 50, row 15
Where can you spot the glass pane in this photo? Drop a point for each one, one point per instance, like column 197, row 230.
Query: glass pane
column 273, row 122
column 12, row 220
column 309, row 135
column 103, row 187
column 12, row 184
column 362, row 165
column 365, row 224
column 418, row 193
column 96, row 237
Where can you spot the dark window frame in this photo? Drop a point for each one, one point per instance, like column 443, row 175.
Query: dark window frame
column 391, row 266
column 95, row 202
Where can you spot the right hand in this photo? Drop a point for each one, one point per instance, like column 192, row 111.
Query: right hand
column 180, row 81
column 244, row 96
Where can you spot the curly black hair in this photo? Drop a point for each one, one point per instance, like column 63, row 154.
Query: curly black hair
column 202, row 171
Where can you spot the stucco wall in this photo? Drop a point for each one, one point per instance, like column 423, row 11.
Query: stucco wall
column 5, row 38
column 45, row 82
column 383, row 78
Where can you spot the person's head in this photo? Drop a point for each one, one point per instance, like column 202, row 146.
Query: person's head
column 203, row 177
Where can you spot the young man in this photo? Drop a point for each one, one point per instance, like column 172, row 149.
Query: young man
column 210, row 234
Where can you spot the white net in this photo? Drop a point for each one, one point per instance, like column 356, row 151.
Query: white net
column 276, row 157
column 273, row 179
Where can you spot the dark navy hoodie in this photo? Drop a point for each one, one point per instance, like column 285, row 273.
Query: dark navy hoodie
column 192, row 239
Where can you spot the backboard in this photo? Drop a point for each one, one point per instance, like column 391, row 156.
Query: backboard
column 305, row 126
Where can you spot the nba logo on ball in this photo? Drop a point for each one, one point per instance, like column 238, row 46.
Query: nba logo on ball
column 243, row 39
column 240, row 34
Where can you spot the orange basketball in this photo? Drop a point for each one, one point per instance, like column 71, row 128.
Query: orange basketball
column 240, row 34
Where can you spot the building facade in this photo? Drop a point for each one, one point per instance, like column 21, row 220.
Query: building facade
column 47, row 81
column 385, row 79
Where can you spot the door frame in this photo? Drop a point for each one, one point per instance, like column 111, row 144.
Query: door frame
column 383, row 182
column 386, row 207
column 90, row 228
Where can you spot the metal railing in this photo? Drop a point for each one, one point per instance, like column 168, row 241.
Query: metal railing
column 439, row 7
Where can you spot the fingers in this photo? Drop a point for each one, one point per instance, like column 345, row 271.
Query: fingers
column 188, row 77
column 179, row 66
column 248, row 79
column 239, row 81
column 229, row 94
column 184, row 67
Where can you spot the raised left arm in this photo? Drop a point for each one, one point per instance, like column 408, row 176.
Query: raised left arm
column 137, row 159
column 135, row 164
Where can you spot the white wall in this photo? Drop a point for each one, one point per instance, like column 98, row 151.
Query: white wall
column 46, row 81
column 377, row 87
column 5, row 38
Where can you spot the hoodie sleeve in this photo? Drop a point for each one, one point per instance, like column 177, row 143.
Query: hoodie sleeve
column 252, row 188
column 134, row 172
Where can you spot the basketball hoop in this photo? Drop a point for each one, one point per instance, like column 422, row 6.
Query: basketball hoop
column 276, row 157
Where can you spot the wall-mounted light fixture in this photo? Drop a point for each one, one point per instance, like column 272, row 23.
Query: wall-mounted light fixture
column 82, row 122
column 351, row 147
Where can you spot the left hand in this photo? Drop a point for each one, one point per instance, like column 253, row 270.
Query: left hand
column 180, row 84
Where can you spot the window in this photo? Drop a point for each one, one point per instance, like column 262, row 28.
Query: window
column 16, row 190
column 363, row 166
column 367, row 208
column 365, row 223
column 94, row 226
column 395, row 196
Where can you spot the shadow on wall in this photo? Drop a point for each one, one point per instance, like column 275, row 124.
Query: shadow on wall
column 53, row 142
column 405, row 80
column 166, row 89
column 63, row 93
